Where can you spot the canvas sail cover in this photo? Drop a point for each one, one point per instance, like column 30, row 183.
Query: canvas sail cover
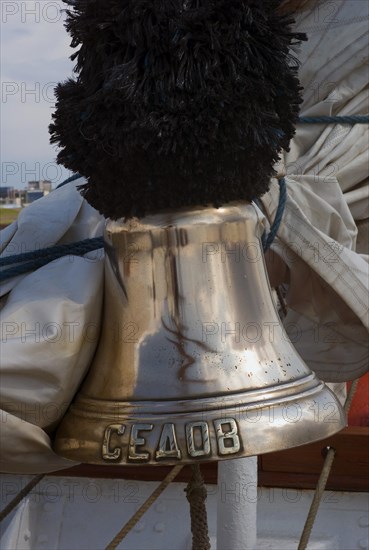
column 50, row 317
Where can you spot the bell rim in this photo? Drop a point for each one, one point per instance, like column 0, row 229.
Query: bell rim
column 305, row 386
column 273, row 428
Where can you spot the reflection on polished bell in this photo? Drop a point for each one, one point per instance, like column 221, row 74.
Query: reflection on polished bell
column 193, row 363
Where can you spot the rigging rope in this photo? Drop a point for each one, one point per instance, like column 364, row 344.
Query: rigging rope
column 68, row 180
column 146, row 505
column 41, row 257
column 20, row 496
column 268, row 239
column 350, row 119
column 323, row 478
column 319, row 491
column 54, row 252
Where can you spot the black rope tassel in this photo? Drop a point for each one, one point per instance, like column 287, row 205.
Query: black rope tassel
column 176, row 103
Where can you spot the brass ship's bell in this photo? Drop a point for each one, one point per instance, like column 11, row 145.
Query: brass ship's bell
column 193, row 363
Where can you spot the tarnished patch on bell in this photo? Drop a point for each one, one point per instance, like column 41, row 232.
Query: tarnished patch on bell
column 193, row 363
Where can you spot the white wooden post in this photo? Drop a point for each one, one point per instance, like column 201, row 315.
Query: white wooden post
column 237, row 503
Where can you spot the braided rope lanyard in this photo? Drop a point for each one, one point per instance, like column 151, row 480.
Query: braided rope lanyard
column 196, row 495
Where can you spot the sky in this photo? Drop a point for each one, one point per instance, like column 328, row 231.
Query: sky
column 34, row 58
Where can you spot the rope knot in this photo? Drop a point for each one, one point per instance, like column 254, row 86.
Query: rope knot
column 195, row 491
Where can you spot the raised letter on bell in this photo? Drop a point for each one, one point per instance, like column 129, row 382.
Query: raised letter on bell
column 203, row 448
column 107, row 453
column 168, row 447
column 136, row 441
column 228, row 441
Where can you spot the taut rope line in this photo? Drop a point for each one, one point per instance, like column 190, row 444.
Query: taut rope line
column 20, row 496
column 323, row 478
column 146, row 505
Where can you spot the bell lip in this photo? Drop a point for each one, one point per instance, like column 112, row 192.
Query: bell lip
column 304, row 387
column 198, row 214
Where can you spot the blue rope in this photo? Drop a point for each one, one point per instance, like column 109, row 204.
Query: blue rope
column 268, row 239
column 68, row 180
column 39, row 258
column 352, row 119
